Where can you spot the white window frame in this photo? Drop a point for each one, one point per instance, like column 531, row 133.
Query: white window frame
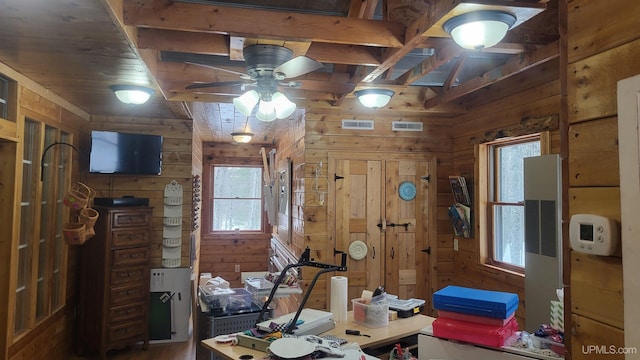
column 212, row 199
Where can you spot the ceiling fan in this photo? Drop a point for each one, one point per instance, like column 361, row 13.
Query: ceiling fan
column 267, row 68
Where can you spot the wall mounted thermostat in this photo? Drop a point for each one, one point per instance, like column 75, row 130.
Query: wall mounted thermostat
column 593, row 234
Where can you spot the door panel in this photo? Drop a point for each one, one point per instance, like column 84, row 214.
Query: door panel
column 405, row 263
column 358, row 207
column 368, row 208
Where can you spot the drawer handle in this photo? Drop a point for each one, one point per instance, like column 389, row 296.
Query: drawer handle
column 133, row 256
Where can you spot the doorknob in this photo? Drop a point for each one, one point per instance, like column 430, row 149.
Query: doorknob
column 427, row 250
column 393, row 253
column 383, row 224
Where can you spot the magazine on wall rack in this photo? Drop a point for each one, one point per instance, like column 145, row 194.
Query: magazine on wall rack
column 460, row 190
column 460, row 215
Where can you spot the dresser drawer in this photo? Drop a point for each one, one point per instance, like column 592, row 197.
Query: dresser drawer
column 130, row 237
column 130, row 218
column 124, row 294
column 130, row 257
column 125, row 331
column 126, row 312
column 127, row 275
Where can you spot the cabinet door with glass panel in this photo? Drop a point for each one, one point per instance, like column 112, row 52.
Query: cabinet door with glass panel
column 41, row 251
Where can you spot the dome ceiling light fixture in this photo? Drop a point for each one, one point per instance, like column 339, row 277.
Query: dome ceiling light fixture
column 374, row 98
column 481, row 29
column 241, row 137
column 132, row 94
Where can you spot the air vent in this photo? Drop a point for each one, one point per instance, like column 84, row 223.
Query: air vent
column 406, row 126
column 357, row 124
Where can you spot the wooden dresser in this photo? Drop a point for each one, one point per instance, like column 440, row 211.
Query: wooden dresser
column 113, row 296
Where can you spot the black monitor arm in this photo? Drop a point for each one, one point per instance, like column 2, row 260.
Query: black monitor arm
column 303, row 261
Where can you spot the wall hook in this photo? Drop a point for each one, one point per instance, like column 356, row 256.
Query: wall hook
column 45, row 153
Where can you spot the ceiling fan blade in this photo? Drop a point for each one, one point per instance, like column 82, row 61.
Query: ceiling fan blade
column 297, row 66
column 216, row 84
column 241, row 74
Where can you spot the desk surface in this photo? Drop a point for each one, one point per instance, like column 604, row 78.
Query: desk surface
column 396, row 330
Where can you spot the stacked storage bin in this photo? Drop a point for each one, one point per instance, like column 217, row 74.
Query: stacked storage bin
column 477, row 316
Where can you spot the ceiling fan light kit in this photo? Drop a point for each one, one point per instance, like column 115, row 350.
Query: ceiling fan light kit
column 374, row 98
column 283, row 106
column 266, row 68
column 132, row 94
column 477, row 30
column 266, row 111
column 246, row 102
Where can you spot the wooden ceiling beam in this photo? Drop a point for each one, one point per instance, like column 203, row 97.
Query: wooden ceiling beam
column 512, row 67
column 415, row 35
column 362, row 9
column 457, row 67
column 216, row 44
column 183, row 41
column 440, row 57
column 162, row 14
column 345, row 54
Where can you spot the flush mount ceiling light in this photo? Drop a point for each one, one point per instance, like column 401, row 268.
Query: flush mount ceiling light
column 479, row 29
column 241, row 137
column 132, row 94
column 374, row 98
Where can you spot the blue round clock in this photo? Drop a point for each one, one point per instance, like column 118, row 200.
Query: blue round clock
column 407, row 190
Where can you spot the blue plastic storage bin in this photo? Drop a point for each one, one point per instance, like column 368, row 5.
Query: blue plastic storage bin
column 494, row 304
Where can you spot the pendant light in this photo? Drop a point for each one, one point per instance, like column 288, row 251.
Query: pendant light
column 241, row 137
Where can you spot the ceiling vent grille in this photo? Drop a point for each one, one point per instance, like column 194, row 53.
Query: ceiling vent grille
column 357, row 124
column 406, row 126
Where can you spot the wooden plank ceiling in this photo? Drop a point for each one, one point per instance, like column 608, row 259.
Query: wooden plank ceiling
column 72, row 48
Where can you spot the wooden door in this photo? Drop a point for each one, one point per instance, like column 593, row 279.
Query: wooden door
column 358, row 209
column 406, row 228
column 369, row 209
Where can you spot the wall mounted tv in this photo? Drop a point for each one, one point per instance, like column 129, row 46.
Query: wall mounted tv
column 122, row 153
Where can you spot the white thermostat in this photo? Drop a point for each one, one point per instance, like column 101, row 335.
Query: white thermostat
column 593, row 234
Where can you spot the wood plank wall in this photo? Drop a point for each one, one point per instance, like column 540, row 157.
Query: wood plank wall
column 176, row 165
column 220, row 253
column 600, row 53
column 324, row 133
column 487, row 117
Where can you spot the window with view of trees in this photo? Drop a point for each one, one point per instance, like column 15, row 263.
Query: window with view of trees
column 505, row 197
column 237, row 198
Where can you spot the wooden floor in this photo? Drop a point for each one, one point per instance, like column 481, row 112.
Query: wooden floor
column 171, row 351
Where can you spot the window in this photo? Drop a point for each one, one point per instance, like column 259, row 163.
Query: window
column 505, row 199
column 41, row 249
column 236, row 204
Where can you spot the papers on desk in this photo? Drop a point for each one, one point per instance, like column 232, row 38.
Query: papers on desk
column 311, row 322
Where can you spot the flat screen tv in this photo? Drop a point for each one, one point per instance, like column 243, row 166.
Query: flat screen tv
column 122, row 153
